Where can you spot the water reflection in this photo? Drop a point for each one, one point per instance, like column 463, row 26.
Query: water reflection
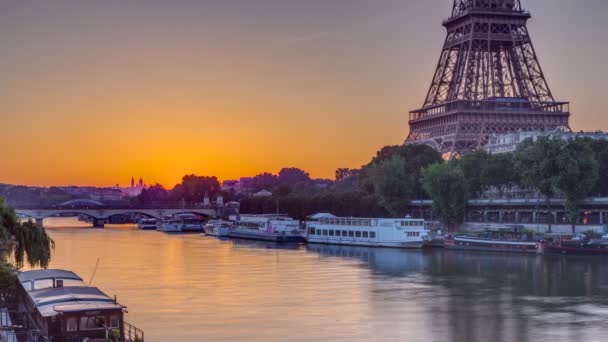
column 192, row 288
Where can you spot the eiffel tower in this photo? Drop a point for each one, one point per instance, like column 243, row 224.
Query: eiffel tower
column 488, row 81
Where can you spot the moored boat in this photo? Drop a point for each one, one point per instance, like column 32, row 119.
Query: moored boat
column 147, row 224
column 63, row 308
column 510, row 238
column 373, row 232
column 185, row 223
column 585, row 247
column 274, row 228
column 218, row 228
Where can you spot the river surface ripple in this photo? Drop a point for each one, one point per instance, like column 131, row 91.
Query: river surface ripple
column 195, row 288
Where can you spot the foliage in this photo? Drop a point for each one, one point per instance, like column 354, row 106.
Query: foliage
column 416, row 158
column 536, row 163
column 393, row 186
column 264, row 181
column 592, row 234
column 292, row 176
column 578, row 173
column 600, row 153
column 22, row 242
column 473, row 166
column 499, row 172
column 447, row 186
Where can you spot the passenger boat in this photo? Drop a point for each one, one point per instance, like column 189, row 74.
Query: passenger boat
column 509, row 238
column 63, row 308
column 374, row 232
column 587, row 247
column 274, row 228
column 186, row 223
column 218, row 228
column 147, row 224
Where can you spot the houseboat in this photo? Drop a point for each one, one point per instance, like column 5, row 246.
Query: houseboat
column 63, row 308
column 276, row 228
column 218, row 228
column 373, row 232
column 186, row 223
column 147, row 224
column 508, row 238
column 586, row 247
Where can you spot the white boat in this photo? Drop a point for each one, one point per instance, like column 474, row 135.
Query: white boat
column 373, row 232
column 147, row 224
column 182, row 224
column 218, row 228
column 274, row 228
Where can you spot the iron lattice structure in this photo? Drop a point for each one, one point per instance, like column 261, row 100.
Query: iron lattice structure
column 488, row 81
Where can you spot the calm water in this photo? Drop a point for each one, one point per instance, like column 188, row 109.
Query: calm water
column 194, row 288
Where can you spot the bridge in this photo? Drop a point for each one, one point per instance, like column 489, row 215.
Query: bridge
column 101, row 215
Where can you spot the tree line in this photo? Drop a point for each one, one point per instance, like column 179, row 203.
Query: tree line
column 573, row 169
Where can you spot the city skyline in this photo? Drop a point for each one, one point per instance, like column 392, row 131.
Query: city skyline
column 216, row 88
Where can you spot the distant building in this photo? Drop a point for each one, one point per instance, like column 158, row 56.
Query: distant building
column 263, row 193
column 506, row 143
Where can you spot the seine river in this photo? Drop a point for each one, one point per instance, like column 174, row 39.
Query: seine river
column 195, row 288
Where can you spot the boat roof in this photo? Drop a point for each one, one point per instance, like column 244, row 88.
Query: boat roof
column 53, row 300
column 46, row 274
column 318, row 216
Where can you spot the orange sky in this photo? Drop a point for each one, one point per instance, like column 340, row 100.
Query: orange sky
column 93, row 93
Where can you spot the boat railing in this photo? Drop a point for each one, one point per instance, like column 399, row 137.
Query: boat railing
column 132, row 334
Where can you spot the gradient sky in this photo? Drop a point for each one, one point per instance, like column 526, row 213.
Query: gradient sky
column 95, row 91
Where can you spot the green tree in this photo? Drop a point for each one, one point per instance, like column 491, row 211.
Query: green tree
column 393, row 185
column 447, row 186
column 600, row 150
column 21, row 242
column 498, row 172
column 578, row 173
column 473, row 166
column 537, row 166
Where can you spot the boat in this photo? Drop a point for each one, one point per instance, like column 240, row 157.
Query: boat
column 584, row 246
column 147, row 224
column 275, row 228
column 372, row 232
column 507, row 238
column 218, row 228
column 183, row 223
column 63, row 308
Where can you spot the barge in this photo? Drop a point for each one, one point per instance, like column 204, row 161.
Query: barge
column 513, row 239
column 275, row 228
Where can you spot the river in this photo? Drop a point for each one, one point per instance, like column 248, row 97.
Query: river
column 195, row 288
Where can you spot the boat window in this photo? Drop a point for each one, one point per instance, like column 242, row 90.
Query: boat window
column 325, row 232
column 311, row 231
column 358, row 234
column 351, row 233
column 365, row 234
column 27, row 285
column 43, row 284
column 72, row 324
column 344, row 233
column 114, row 321
column 372, row 235
column 331, row 232
column 92, row 323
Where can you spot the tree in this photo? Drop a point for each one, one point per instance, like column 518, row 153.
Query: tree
column 264, row 181
column 344, row 174
column 194, row 188
column 498, row 172
column 20, row 243
column 473, row 166
column 446, row 185
column 600, row 150
column 292, row 176
column 578, row 173
column 536, row 164
column 393, row 185
column 416, row 158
